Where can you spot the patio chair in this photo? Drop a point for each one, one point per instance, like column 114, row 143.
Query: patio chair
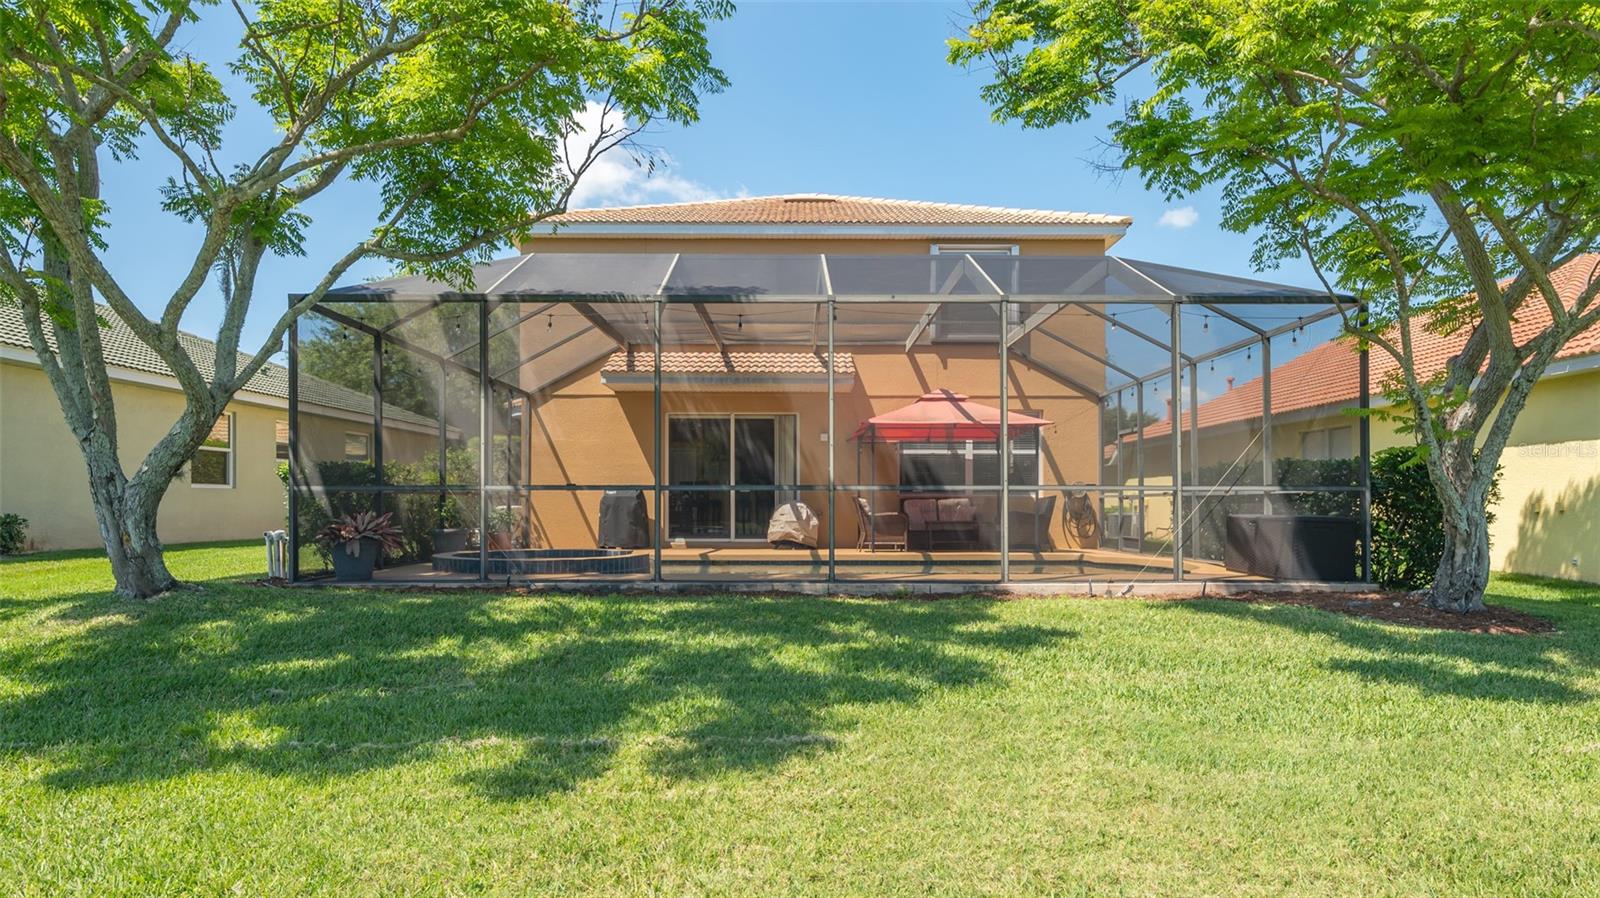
column 886, row 528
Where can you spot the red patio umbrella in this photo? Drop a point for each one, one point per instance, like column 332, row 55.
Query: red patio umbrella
column 943, row 415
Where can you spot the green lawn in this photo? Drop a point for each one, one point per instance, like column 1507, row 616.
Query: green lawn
column 237, row 740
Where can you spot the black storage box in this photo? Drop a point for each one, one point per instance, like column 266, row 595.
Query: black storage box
column 624, row 520
column 1292, row 547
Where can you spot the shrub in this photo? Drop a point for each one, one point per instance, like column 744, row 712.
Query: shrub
column 13, row 533
column 1407, row 520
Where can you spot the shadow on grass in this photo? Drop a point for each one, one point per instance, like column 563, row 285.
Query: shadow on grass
column 1510, row 668
column 322, row 684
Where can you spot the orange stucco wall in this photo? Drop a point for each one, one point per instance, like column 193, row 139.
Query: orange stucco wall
column 581, row 431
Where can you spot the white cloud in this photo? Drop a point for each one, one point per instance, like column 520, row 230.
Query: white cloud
column 1181, row 217
column 622, row 177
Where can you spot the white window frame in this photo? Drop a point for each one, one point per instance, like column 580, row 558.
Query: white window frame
column 230, row 452
column 365, row 436
column 1324, row 436
column 941, row 333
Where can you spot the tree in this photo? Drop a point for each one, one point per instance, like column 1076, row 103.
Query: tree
column 464, row 113
column 1436, row 157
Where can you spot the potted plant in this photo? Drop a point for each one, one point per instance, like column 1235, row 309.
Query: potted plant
column 503, row 524
column 451, row 536
column 355, row 542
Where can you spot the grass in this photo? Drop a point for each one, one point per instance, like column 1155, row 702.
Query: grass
column 238, row 740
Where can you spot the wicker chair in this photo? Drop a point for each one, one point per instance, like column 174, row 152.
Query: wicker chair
column 885, row 528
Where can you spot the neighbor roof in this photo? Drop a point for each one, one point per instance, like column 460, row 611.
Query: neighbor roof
column 1330, row 375
column 821, row 208
column 125, row 350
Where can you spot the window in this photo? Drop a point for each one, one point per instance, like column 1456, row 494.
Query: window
column 357, row 446
column 1327, row 443
column 968, row 463
column 212, row 464
column 968, row 322
column 281, row 429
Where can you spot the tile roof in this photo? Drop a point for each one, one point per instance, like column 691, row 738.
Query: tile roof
column 125, row 350
column 768, row 363
column 1329, row 374
column 819, row 208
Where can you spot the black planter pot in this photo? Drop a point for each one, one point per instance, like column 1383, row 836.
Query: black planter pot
column 451, row 540
column 358, row 566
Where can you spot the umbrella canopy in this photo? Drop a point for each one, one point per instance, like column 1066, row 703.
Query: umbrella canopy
column 940, row 416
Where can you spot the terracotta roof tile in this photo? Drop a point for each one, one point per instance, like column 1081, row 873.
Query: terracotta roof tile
column 815, row 208
column 716, row 363
column 1329, row 374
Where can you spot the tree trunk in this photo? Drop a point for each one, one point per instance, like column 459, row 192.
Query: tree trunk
column 127, row 522
column 1463, row 572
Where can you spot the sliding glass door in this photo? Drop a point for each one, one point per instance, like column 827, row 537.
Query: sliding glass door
column 724, row 451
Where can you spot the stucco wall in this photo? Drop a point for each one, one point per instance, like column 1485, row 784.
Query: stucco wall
column 42, row 476
column 586, row 433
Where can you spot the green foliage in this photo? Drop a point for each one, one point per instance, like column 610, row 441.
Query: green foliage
column 13, row 533
column 455, row 109
column 1435, row 158
column 1330, row 127
column 347, row 531
column 1407, row 529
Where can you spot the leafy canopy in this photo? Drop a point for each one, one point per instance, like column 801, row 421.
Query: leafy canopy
column 457, row 109
column 1346, row 131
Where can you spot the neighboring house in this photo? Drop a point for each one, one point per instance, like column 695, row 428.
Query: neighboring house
column 1547, row 521
column 765, row 408
column 230, row 490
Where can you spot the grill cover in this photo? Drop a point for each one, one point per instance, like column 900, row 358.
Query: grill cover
column 793, row 522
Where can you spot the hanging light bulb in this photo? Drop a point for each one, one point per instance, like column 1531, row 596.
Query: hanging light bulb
column 1212, row 366
column 741, row 321
column 550, row 322
column 1206, row 324
column 1247, row 351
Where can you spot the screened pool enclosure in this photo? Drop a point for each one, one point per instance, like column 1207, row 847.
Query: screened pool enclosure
column 971, row 418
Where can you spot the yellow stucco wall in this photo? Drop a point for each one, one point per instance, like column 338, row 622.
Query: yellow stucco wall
column 1548, row 519
column 42, row 475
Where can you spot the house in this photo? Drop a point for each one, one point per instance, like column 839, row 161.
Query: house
column 1547, row 520
column 655, row 385
column 231, row 490
column 766, row 405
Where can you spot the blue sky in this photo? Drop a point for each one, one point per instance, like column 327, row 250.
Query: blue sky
column 826, row 97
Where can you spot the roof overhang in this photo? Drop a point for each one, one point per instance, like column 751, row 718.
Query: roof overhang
column 1002, row 232
column 644, row 381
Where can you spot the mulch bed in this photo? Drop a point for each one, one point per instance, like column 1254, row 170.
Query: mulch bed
column 1401, row 608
